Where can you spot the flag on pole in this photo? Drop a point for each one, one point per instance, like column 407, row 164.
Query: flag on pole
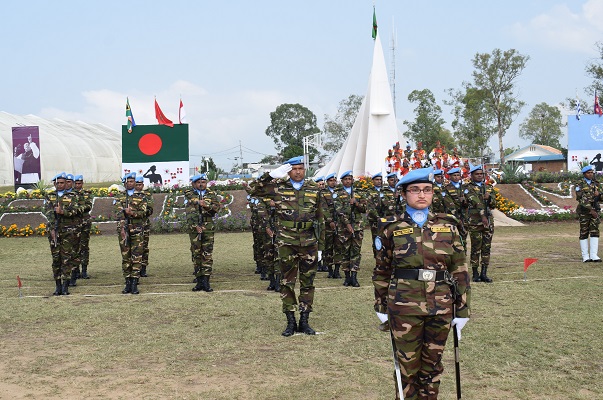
column 527, row 262
column 131, row 122
column 374, row 24
column 161, row 118
column 578, row 109
column 19, row 284
column 598, row 109
column 181, row 114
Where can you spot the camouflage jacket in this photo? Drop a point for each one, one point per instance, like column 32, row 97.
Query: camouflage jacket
column 150, row 203
column 585, row 195
column 380, row 204
column 196, row 215
column 476, row 205
column 298, row 212
column 437, row 247
column 85, row 200
column 454, row 201
column 439, row 194
column 137, row 203
column 329, row 209
column 69, row 203
column 347, row 213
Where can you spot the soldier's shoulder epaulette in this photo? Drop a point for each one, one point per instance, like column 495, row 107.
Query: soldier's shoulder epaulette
column 387, row 220
column 443, row 218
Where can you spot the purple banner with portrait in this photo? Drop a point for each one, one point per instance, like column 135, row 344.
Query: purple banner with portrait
column 26, row 156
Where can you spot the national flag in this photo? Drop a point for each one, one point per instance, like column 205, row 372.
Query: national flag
column 155, row 143
column 527, row 262
column 374, row 24
column 578, row 109
column 162, row 119
column 131, row 122
column 597, row 105
column 181, row 114
column 19, row 284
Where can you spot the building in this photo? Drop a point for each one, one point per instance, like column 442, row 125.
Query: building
column 537, row 157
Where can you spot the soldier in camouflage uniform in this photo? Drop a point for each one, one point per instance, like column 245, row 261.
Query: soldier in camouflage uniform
column 146, row 235
column 330, row 226
column 131, row 210
column 480, row 202
column 267, row 213
column 202, row 204
column 437, row 206
column 63, row 211
column 588, row 194
column 454, row 202
column 320, row 265
column 257, row 233
column 421, row 284
column 350, row 205
column 77, row 219
column 298, row 210
column 85, row 199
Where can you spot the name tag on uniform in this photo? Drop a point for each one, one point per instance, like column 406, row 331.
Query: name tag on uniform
column 311, row 194
column 288, row 193
column 405, row 231
column 440, row 229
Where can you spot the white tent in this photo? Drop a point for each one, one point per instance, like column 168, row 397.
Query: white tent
column 374, row 131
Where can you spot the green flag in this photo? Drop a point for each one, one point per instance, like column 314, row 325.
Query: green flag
column 154, row 143
column 131, row 122
column 374, row 24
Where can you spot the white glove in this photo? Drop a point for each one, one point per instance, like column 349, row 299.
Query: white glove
column 382, row 317
column 281, row 171
column 319, row 255
column 459, row 323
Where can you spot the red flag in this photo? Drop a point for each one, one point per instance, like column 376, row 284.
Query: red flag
column 19, row 284
column 527, row 262
column 161, row 119
column 598, row 109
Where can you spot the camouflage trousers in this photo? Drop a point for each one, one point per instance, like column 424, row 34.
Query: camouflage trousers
column 202, row 252
column 420, row 342
column 589, row 226
column 146, row 234
column 270, row 251
column 64, row 254
column 374, row 234
column 85, row 242
column 481, row 243
column 293, row 261
column 328, row 254
column 347, row 250
column 131, row 252
column 257, row 245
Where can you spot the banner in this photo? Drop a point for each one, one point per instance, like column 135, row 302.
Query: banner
column 26, row 156
column 157, row 152
column 585, row 142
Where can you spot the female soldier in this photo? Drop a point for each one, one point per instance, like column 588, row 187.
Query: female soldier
column 421, row 280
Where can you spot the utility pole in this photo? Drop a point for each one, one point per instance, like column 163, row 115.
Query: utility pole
column 241, row 155
column 392, row 74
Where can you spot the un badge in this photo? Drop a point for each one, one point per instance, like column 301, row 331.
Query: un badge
column 428, row 275
column 378, row 244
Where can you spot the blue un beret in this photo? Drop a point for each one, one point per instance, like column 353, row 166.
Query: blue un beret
column 78, row 178
column 69, row 177
column 60, row 175
column 139, row 178
column 330, row 176
column 377, row 175
column 473, row 168
column 588, row 168
column 295, row 160
column 392, row 174
column 319, row 179
column 195, row 178
column 346, row 173
column 456, row 170
column 421, row 175
column 438, row 172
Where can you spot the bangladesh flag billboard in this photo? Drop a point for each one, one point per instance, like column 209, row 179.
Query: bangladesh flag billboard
column 157, row 152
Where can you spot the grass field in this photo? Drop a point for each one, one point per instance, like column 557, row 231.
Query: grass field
column 534, row 339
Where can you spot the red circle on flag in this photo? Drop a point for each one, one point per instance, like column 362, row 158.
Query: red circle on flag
column 150, row 144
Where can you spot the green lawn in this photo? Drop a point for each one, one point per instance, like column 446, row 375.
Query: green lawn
column 534, row 339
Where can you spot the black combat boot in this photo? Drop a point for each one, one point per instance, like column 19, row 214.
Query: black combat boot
column 271, row 285
column 73, row 279
column 195, row 273
column 291, row 324
column 143, row 271
column 77, row 273
column 330, row 269
column 476, row 277
column 354, row 279
column 484, row 275
column 258, row 269
column 336, row 274
column 128, row 287
column 134, row 287
column 304, row 327
column 65, row 290
column 347, row 281
column 85, row 272
column 205, row 284
column 277, row 283
column 58, row 289
column 263, row 276
column 319, row 266
column 199, row 285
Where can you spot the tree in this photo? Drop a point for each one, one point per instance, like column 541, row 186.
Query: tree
column 337, row 129
column 496, row 74
column 290, row 123
column 594, row 69
column 543, row 126
column 472, row 125
column 427, row 127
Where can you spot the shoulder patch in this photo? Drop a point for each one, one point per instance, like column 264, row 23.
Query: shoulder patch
column 440, row 229
column 378, row 244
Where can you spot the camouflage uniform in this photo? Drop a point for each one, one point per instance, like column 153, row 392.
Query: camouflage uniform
column 328, row 252
column 65, row 227
column 202, row 245
column 380, row 204
column 131, row 245
column 439, row 194
column 146, row 233
column 297, row 213
column 257, row 233
column 269, row 260
column 85, row 199
column 589, row 215
column 455, row 204
column 481, row 236
column 420, row 311
column 347, row 244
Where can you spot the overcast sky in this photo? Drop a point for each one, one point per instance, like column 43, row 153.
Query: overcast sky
column 234, row 62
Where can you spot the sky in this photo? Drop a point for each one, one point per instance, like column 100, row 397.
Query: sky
column 234, row 62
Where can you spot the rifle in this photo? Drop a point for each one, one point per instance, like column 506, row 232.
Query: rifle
column 125, row 229
column 272, row 223
column 352, row 215
column 487, row 211
column 595, row 204
column 200, row 221
column 57, row 219
column 457, row 354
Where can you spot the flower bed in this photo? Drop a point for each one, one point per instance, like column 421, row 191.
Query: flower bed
column 547, row 214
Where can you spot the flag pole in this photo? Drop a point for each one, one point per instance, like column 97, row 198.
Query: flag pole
column 19, row 284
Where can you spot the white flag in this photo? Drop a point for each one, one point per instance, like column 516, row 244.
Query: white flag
column 181, row 113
